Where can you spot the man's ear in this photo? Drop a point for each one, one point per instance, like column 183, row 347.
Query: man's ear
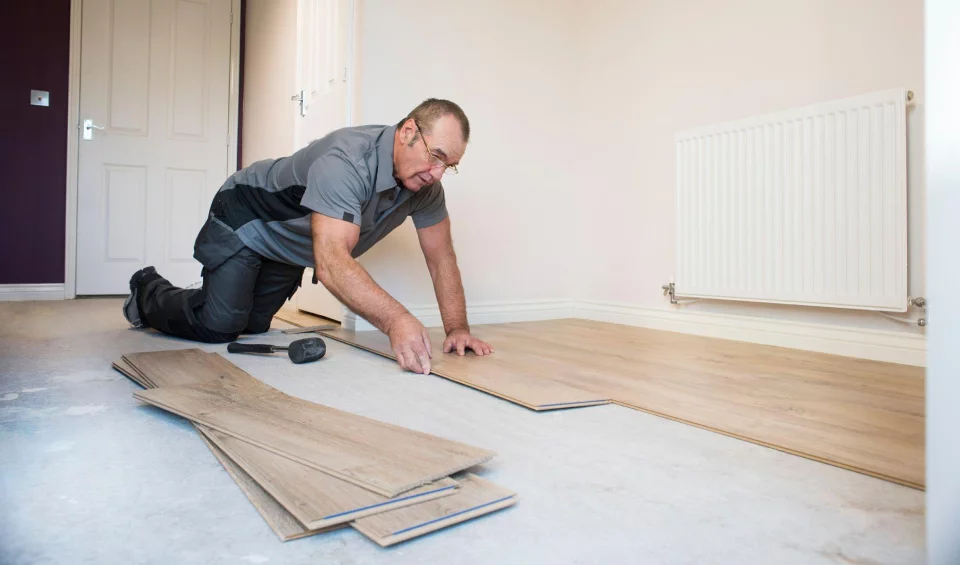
column 408, row 132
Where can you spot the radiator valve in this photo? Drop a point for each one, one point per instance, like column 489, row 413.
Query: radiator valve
column 671, row 290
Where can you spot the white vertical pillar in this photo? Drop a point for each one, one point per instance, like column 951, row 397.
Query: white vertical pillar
column 942, row 93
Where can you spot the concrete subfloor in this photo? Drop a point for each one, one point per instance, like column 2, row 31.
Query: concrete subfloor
column 90, row 475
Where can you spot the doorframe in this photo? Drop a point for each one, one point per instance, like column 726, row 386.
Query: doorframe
column 73, row 128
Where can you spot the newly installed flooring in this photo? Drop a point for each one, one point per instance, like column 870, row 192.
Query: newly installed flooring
column 387, row 459
column 862, row 415
column 475, row 497
column 509, row 374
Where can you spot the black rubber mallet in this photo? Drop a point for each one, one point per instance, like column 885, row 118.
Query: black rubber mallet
column 300, row 351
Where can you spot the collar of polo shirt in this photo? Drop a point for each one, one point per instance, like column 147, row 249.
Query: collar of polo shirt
column 385, row 179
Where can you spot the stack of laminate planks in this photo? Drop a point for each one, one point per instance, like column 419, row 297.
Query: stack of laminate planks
column 309, row 468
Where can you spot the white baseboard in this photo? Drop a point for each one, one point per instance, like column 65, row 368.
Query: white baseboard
column 488, row 313
column 879, row 345
column 10, row 292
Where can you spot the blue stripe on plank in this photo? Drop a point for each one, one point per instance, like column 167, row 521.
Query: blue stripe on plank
column 391, row 501
column 397, row 533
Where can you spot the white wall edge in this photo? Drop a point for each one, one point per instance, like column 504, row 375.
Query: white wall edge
column 12, row 292
column 878, row 345
column 73, row 135
column 233, row 97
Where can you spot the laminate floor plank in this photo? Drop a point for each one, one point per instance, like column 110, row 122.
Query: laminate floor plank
column 861, row 415
column 381, row 457
column 314, row 498
column 283, row 524
column 300, row 318
column 515, row 377
column 474, row 498
column 295, row 500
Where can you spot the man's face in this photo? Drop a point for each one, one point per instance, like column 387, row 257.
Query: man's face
column 419, row 160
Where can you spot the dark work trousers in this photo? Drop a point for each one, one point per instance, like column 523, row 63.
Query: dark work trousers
column 240, row 295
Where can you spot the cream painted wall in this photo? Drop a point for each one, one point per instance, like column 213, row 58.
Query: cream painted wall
column 567, row 189
column 653, row 68
column 508, row 64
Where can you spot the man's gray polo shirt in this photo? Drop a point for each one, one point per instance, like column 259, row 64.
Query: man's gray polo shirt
column 347, row 175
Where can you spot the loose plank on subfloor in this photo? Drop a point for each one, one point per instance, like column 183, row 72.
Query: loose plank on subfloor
column 297, row 486
column 300, row 318
column 475, row 497
column 505, row 374
column 381, row 457
column 313, row 497
column 276, row 516
column 861, row 415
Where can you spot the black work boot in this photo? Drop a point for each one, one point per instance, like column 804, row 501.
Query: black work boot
column 131, row 306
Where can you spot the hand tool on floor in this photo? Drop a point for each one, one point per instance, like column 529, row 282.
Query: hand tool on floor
column 300, row 351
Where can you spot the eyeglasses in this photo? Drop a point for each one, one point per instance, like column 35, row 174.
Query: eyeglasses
column 433, row 159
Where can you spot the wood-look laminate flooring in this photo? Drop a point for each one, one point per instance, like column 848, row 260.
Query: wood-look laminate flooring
column 474, row 498
column 862, row 415
column 511, row 374
column 386, row 459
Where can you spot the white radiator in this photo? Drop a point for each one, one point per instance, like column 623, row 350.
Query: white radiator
column 806, row 206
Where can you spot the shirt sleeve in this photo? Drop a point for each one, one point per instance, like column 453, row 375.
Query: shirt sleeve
column 429, row 206
column 334, row 188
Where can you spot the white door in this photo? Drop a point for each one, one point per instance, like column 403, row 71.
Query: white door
column 324, row 38
column 155, row 76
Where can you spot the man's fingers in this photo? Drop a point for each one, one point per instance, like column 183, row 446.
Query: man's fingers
column 415, row 362
column 461, row 346
column 448, row 345
column 423, row 358
column 410, row 361
column 400, row 360
column 425, row 335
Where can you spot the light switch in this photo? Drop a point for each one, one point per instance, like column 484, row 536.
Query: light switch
column 39, row 98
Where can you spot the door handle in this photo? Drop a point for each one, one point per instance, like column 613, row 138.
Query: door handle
column 299, row 99
column 88, row 127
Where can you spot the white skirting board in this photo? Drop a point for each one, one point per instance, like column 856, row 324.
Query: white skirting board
column 489, row 313
column 879, row 345
column 10, row 292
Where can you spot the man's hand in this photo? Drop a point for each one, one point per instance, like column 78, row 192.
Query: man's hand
column 410, row 342
column 461, row 340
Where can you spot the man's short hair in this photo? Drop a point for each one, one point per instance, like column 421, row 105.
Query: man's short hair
column 432, row 109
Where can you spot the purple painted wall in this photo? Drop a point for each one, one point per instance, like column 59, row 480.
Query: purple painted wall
column 34, row 55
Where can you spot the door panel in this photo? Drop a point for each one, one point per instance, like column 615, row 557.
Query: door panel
column 324, row 35
column 155, row 76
